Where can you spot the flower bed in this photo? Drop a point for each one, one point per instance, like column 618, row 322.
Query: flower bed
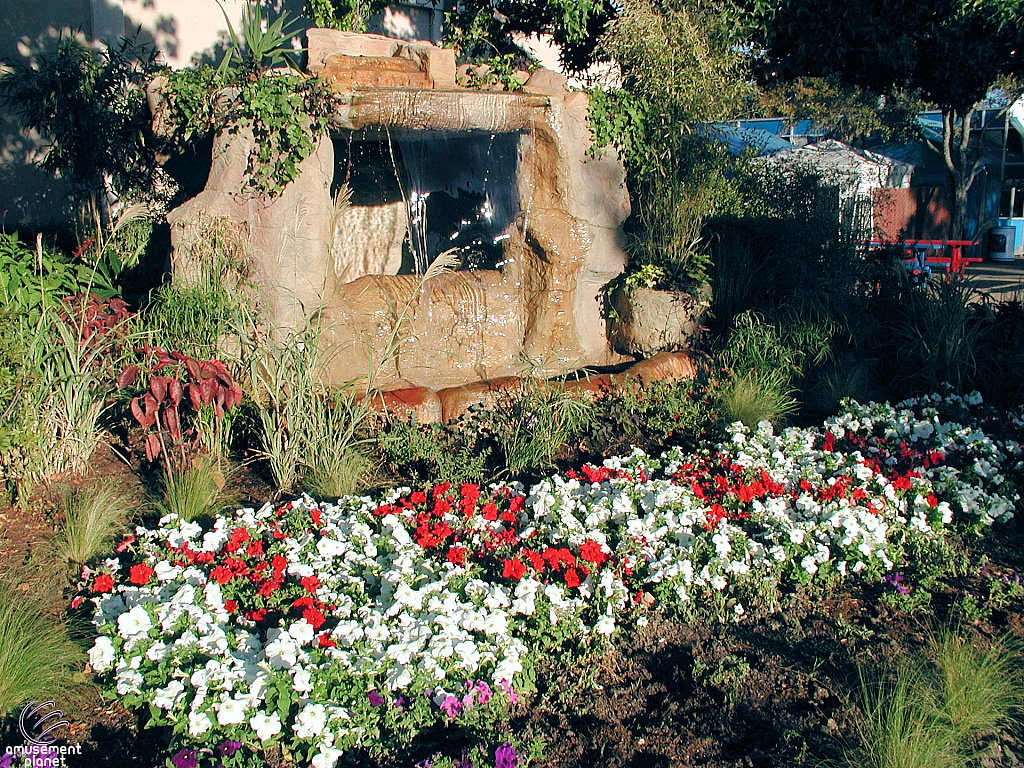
column 319, row 628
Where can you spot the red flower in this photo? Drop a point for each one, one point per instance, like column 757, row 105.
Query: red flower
column 221, row 575
column 103, row 583
column 318, row 516
column 325, row 641
column 457, row 556
column 279, row 564
column 314, row 617
column 230, row 606
column 127, row 542
column 513, row 568
column 268, row 588
column 536, row 559
column 255, row 549
column 310, row 583
column 557, row 557
column 140, row 574
column 592, row 552
column 418, row 497
column 572, row 578
column 489, row 511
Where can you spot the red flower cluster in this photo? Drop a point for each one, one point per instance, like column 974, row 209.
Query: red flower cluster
column 440, row 519
column 253, row 577
column 728, row 487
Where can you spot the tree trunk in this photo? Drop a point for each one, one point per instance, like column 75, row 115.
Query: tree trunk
column 956, row 140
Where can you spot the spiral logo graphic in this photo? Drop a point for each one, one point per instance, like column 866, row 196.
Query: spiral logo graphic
column 37, row 723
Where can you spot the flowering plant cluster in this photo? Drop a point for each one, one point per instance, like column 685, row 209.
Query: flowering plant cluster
column 320, row 627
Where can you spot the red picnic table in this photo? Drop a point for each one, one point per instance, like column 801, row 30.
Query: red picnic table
column 925, row 254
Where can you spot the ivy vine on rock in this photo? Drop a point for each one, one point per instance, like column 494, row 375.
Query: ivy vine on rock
column 287, row 114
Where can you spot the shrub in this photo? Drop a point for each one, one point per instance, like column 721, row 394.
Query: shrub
column 459, row 451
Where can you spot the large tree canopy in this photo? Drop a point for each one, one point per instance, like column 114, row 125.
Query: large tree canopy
column 949, row 53
column 952, row 51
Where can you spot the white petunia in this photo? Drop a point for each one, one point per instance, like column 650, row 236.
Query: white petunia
column 265, row 726
column 231, row 711
column 135, row 624
column 101, row 655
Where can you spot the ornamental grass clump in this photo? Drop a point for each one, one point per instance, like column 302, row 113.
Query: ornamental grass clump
column 92, row 517
column 37, row 660
column 940, row 710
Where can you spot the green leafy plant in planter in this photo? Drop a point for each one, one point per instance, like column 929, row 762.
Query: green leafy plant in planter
column 287, row 113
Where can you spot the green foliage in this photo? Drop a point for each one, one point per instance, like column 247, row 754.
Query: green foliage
column 287, row 115
column 650, row 417
column 92, row 517
column 263, row 44
column 458, row 451
column 31, row 281
column 755, row 397
column 531, row 427
column 332, row 462
column 350, row 15
column 678, row 70
column 479, row 29
column 91, row 105
column 37, row 660
column 193, row 492
column 935, row 712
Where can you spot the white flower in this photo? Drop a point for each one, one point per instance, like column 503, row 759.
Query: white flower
column 135, row 624
column 327, row 757
column 101, row 655
column 311, row 721
column 198, row 724
column 605, row 625
column 265, row 726
column 231, row 711
column 167, row 697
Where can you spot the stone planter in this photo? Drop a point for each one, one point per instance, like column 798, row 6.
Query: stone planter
column 646, row 321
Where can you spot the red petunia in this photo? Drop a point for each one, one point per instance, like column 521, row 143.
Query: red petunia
column 314, row 617
column 230, row 606
column 513, row 568
column 592, row 552
column 140, row 574
column 310, row 583
column 255, row 549
column 221, row 575
column 456, row 556
column 572, row 578
column 325, row 641
column 103, row 583
column 489, row 511
column 418, row 497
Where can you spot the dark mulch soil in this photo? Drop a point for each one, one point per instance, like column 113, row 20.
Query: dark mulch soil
column 779, row 690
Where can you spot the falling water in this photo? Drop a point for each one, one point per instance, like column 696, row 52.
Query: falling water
column 461, row 192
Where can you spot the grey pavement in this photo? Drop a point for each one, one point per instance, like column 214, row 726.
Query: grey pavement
column 1001, row 280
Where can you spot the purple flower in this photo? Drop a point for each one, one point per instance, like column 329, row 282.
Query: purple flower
column 463, row 762
column 895, row 578
column 484, row 691
column 228, row 747
column 6, row 759
column 507, row 688
column 423, row 764
column 505, row 757
column 186, row 758
column 451, row 706
column 376, row 699
column 401, row 703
